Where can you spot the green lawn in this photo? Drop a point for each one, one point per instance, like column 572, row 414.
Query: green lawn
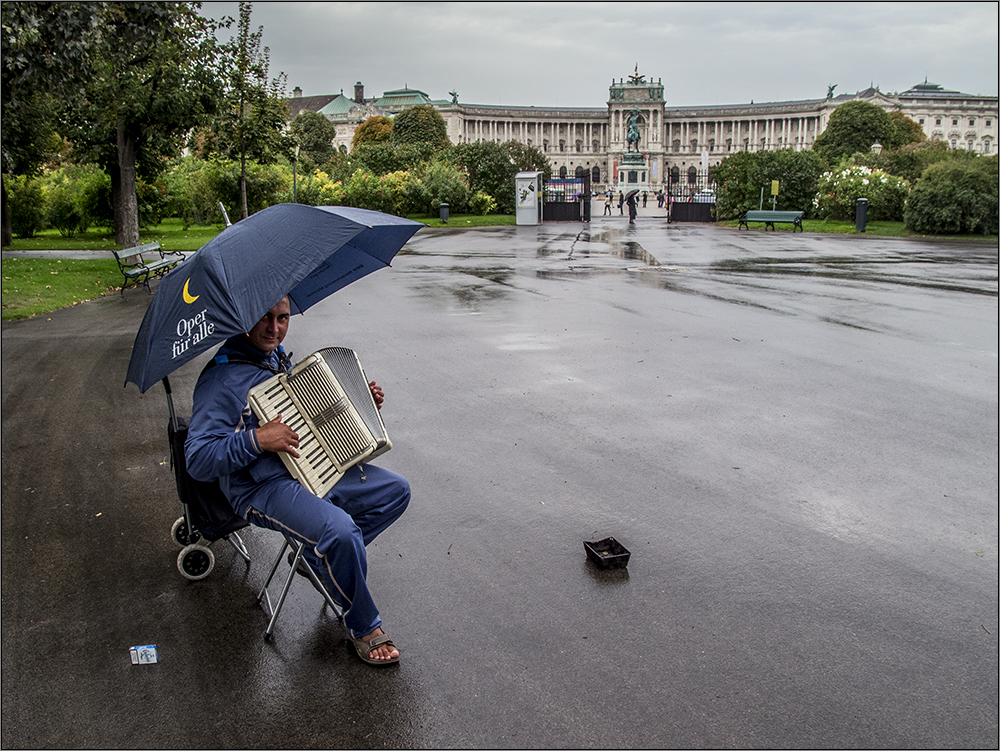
column 845, row 227
column 461, row 220
column 40, row 285
column 170, row 234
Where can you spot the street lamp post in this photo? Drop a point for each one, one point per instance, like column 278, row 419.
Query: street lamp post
column 295, row 187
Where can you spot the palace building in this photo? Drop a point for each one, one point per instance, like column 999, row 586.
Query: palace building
column 638, row 140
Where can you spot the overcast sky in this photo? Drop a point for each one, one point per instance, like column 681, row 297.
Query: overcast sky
column 567, row 53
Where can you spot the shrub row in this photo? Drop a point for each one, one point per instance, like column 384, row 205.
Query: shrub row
column 950, row 192
column 72, row 199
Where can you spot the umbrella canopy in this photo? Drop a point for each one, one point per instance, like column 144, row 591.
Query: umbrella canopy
column 633, row 192
column 307, row 252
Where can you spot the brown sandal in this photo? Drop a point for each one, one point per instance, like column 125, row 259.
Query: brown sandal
column 365, row 648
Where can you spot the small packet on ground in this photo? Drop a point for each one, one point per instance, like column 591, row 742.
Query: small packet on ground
column 143, row 655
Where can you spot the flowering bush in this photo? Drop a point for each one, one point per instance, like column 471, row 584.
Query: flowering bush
column 482, row 204
column 386, row 193
column 317, row 189
column 330, row 193
column 837, row 193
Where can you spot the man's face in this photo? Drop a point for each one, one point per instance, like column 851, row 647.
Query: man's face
column 268, row 332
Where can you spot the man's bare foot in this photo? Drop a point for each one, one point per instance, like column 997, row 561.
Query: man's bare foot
column 383, row 652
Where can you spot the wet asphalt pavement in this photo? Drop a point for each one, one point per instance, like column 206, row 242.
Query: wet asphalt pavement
column 794, row 435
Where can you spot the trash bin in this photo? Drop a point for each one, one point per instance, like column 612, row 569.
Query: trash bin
column 444, row 212
column 861, row 215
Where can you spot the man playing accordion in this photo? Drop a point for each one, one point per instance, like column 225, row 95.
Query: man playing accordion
column 227, row 442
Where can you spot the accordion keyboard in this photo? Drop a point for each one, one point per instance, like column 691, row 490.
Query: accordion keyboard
column 326, row 400
column 312, row 468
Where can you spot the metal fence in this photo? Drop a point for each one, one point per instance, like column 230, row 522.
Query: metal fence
column 690, row 187
column 567, row 199
column 566, row 189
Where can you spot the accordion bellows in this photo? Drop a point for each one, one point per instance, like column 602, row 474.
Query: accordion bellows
column 327, row 401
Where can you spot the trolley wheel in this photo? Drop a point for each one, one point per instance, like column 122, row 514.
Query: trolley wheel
column 181, row 535
column 195, row 562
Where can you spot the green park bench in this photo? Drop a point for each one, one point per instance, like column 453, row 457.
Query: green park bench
column 770, row 218
column 139, row 263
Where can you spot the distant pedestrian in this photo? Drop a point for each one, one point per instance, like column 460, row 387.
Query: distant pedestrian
column 631, row 207
column 659, row 199
column 607, row 203
column 643, row 199
column 621, row 202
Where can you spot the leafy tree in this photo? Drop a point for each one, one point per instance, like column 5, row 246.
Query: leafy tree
column 314, row 134
column 376, row 129
column 77, row 196
column 854, row 127
column 492, row 168
column 151, row 79
column 338, row 166
column 26, row 204
column 251, row 122
column 437, row 183
column 45, row 51
column 904, row 131
column 910, row 161
column 420, row 124
column 383, row 158
column 956, row 197
column 741, row 176
column 189, row 196
column 258, row 184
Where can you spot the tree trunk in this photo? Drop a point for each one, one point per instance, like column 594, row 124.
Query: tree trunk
column 243, row 184
column 127, row 230
column 116, row 188
column 8, row 234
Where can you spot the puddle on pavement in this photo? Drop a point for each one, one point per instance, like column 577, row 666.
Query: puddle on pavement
column 878, row 269
column 475, row 276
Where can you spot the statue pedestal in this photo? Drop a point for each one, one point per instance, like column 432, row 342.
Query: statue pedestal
column 633, row 173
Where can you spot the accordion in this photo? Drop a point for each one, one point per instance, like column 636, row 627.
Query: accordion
column 327, row 401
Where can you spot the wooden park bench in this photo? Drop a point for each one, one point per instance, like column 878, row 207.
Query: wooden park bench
column 770, row 218
column 139, row 263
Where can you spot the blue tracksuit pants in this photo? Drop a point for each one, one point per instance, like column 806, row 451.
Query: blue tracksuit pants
column 336, row 530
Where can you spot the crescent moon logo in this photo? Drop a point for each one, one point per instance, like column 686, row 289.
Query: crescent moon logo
column 187, row 295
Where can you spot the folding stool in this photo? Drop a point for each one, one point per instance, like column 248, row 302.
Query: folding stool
column 264, row 597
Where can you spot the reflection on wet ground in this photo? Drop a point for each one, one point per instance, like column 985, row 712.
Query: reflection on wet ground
column 891, row 269
column 840, row 279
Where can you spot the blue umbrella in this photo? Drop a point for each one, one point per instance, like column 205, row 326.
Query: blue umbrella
column 308, row 252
